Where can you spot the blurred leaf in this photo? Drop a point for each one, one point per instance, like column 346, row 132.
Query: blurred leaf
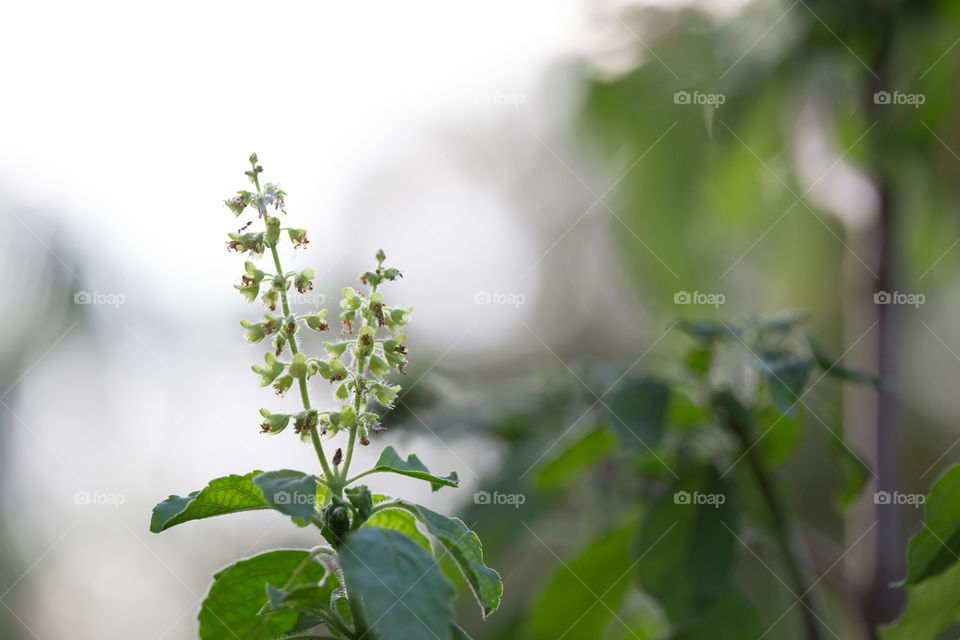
column 232, row 607
column 580, row 455
column 391, row 462
column 685, row 549
column 698, row 359
column 936, row 547
column 777, row 435
column 684, row 410
column 855, row 472
column 709, row 330
column 638, row 410
column 583, row 595
column 932, row 606
column 835, row 368
column 293, row 493
column 465, row 548
column 460, row 634
column 785, row 374
column 229, row 494
column 730, row 617
column 402, row 590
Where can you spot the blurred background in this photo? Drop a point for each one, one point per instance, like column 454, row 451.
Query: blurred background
column 551, row 178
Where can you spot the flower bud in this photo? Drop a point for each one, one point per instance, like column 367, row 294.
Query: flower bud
column 298, row 237
column 370, row 278
column 273, row 422
column 381, row 256
column 316, row 322
column 304, row 280
column 269, row 372
column 269, row 300
column 253, row 159
column 279, row 342
column 335, row 349
column 350, row 301
column 392, row 274
column 298, row 368
column 365, row 340
column 271, row 323
column 348, row 416
column 347, row 318
column 399, row 318
column 385, row 394
column 283, row 384
column 337, row 370
column 377, row 366
column 254, row 331
column 273, row 231
column 305, row 420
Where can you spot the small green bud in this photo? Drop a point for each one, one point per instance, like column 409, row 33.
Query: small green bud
column 273, row 422
column 298, row 237
column 273, row 231
column 283, row 384
column 269, row 300
column 381, row 256
column 279, row 342
column 253, row 159
column 335, row 349
column 347, row 318
column 304, row 280
column 365, row 340
column 385, row 394
column 361, row 499
column 350, row 300
column 348, row 416
column 298, row 368
column 316, row 322
column 392, row 274
column 337, row 370
column 336, row 517
column 377, row 366
column 278, row 283
column 254, row 331
column 370, row 278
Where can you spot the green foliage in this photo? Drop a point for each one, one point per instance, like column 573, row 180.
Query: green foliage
column 374, row 574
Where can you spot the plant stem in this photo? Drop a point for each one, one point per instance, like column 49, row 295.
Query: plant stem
column 292, row 341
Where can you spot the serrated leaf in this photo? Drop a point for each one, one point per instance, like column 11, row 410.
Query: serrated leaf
column 464, row 547
column 391, row 462
column 232, row 608
column 582, row 596
column 230, row 494
column 399, row 585
column 292, row 493
column 685, row 550
column 577, row 457
column 638, row 410
column 936, row 546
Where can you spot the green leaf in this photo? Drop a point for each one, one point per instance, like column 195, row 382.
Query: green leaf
column 684, row 410
column 936, row 547
column 855, row 472
column 785, row 374
column 292, row 493
column 229, row 494
column 730, row 617
column 932, row 606
column 777, row 435
column 580, row 598
column 685, row 548
column 399, row 520
column 582, row 454
column 391, row 462
column 399, row 585
column 232, row 608
column 708, row 330
column 465, row 548
column 638, row 410
column 698, row 359
column 836, row 368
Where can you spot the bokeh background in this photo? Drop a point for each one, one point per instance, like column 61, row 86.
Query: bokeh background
column 548, row 176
